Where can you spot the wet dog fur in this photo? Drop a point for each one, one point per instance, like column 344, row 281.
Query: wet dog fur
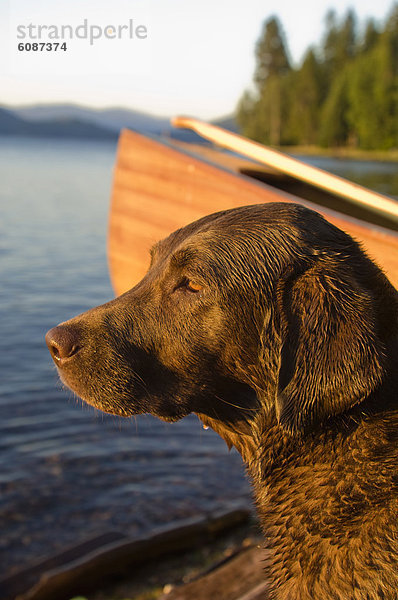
column 277, row 330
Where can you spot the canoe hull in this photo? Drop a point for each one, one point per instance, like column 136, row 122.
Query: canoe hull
column 158, row 188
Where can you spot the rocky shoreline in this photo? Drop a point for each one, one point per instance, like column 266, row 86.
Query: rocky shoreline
column 114, row 566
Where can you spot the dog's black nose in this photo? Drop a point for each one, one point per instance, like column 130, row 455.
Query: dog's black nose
column 63, row 342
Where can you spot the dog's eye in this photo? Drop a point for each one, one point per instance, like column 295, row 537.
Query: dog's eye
column 189, row 285
column 193, row 286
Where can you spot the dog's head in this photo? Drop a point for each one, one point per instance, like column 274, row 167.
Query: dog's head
column 260, row 308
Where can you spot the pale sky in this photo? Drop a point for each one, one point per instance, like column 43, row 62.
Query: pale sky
column 196, row 58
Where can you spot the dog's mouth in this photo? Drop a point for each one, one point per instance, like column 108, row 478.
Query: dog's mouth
column 116, row 382
column 93, row 397
column 68, row 355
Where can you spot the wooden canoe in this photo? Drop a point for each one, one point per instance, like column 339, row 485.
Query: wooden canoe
column 160, row 185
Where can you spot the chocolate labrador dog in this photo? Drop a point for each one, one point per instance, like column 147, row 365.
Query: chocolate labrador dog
column 277, row 330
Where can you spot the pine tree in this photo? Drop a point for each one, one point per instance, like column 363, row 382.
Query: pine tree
column 305, row 93
column 373, row 90
column 339, row 45
column 264, row 120
column 370, row 37
column 271, row 54
column 334, row 128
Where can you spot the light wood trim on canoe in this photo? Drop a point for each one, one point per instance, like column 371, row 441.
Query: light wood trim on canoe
column 158, row 188
column 291, row 166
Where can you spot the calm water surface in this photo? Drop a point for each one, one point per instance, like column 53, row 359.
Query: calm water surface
column 379, row 176
column 68, row 472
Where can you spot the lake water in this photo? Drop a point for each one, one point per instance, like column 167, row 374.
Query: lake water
column 379, row 176
column 68, row 472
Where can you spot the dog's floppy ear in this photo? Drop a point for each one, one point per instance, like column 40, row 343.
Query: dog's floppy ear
column 331, row 357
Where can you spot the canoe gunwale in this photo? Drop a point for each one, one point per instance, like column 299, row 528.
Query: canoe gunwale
column 160, row 186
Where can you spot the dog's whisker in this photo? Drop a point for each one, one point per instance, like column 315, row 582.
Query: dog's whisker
column 243, row 408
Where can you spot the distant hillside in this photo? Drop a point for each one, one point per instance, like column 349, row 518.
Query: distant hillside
column 108, row 118
column 70, row 120
column 10, row 124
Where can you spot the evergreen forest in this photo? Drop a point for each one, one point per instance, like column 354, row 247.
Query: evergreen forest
column 343, row 94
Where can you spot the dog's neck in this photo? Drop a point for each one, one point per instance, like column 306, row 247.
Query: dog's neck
column 326, row 505
column 238, row 434
column 326, row 500
column 231, row 415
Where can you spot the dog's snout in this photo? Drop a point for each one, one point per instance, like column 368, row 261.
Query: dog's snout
column 62, row 342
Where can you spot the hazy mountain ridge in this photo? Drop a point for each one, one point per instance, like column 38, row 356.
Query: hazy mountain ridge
column 108, row 118
column 74, row 121
column 13, row 125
